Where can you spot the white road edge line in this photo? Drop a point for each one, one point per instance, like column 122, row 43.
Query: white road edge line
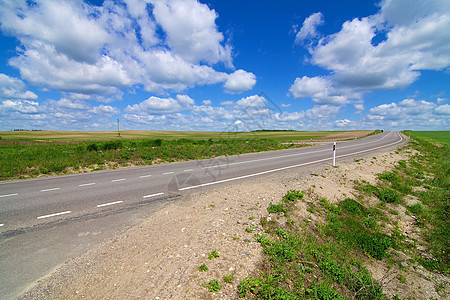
column 48, row 190
column 9, row 195
column 168, row 173
column 153, row 195
column 115, row 180
column 145, row 176
column 54, row 215
column 110, row 203
column 285, row 168
column 86, row 184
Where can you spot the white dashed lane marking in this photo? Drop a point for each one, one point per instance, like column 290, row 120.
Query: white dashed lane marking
column 189, row 170
column 86, row 184
column 49, row 190
column 145, row 176
column 110, row 203
column 54, row 215
column 9, row 195
column 168, row 173
column 116, row 180
column 153, row 195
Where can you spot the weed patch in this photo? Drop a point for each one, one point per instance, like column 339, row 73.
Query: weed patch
column 213, row 254
column 276, row 208
column 293, row 195
column 389, row 195
column 352, row 207
column 389, row 176
column 213, row 286
column 301, row 266
column 228, row 278
column 203, row 268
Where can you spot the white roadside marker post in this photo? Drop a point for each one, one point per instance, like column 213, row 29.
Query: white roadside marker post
column 334, row 154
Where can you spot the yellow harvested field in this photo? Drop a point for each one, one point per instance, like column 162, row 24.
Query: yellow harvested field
column 79, row 136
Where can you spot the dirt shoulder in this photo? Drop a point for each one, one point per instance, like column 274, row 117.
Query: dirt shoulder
column 160, row 258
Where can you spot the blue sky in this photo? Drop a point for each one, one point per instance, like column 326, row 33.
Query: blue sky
column 224, row 65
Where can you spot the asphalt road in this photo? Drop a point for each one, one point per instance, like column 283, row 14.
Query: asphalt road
column 46, row 221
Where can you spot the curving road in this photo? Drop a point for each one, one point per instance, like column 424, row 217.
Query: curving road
column 46, row 221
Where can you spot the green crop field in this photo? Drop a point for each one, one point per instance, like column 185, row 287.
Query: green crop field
column 438, row 136
column 26, row 154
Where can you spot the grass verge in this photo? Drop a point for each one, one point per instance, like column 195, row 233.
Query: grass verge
column 18, row 160
column 429, row 172
column 306, row 264
column 326, row 260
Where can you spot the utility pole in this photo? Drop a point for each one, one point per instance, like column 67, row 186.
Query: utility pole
column 118, row 131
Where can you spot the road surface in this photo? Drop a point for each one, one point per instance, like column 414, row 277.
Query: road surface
column 46, row 221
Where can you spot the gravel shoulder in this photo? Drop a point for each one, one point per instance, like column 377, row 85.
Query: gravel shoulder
column 159, row 259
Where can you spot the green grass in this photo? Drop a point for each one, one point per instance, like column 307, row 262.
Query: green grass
column 303, row 265
column 18, row 160
column 429, row 171
column 276, row 208
column 432, row 170
column 213, row 286
column 437, row 136
column 352, row 223
column 389, row 195
column 293, row 195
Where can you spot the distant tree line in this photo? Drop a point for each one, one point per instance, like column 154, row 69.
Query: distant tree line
column 272, row 130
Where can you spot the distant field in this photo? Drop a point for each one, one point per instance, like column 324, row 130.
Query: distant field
column 438, row 136
column 86, row 136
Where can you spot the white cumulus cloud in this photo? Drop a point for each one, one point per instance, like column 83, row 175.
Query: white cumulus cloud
column 239, row 81
column 156, row 105
column 409, row 114
column 13, row 88
column 405, row 109
column 385, row 51
column 319, row 89
column 443, row 110
column 309, row 28
column 64, row 114
column 343, row 123
column 77, row 47
column 289, row 117
column 191, row 30
column 20, row 106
